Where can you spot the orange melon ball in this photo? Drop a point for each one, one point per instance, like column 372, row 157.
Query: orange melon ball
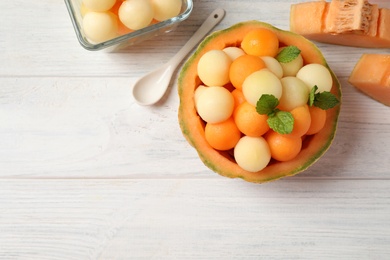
column 222, row 136
column 302, row 121
column 242, row 67
column 260, row 42
column 318, row 120
column 249, row 121
column 283, row 148
column 238, row 97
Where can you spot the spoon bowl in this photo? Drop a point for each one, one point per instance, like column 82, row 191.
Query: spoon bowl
column 150, row 88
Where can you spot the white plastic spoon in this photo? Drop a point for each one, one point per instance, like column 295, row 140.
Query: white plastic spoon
column 151, row 88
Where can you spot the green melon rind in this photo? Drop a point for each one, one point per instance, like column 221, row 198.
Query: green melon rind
column 255, row 177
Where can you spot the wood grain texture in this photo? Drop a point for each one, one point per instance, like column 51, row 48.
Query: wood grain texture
column 90, row 127
column 86, row 173
column 194, row 219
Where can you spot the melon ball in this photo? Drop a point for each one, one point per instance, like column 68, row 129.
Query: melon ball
column 213, row 68
column 83, row 9
column 136, row 14
column 199, row 91
column 166, row 9
column 100, row 26
column 295, row 93
column 273, row 65
column 259, row 83
column 98, row 5
column 215, row 104
column 291, row 68
column 316, row 74
column 252, row 153
column 233, row 52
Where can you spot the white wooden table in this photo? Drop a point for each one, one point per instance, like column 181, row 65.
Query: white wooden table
column 86, row 173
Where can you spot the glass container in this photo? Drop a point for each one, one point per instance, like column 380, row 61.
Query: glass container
column 126, row 40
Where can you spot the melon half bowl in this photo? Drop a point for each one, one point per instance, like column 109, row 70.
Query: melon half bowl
column 223, row 162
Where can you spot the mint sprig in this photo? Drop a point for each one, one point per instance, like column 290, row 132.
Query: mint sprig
column 267, row 104
column 279, row 121
column 288, row 54
column 324, row 100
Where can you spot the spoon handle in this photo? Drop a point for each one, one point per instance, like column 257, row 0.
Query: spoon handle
column 214, row 18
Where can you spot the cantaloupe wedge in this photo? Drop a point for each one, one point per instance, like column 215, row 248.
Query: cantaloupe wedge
column 352, row 16
column 371, row 75
column 344, row 22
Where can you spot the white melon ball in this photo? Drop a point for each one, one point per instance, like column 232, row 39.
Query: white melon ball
column 199, row 91
column 295, row 93
column 213, row 68
column 99, row 5
column 316, row 74
column 100, row 26
column 273, row 65
column 291, row 68
column 166, row 9
column 259, row 83
column 252, row 153
column 233, row 52
column 136, row 14
column 215, row 104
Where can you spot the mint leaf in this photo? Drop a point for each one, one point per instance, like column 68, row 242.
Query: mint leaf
column 312, row 95
column 266, row 104
column 282, row 122
column 324, row 100
column 288, row 54
column 279, row 121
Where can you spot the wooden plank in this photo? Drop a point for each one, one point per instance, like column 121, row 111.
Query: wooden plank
column 45, row 43
column 194, row 219
column 61, row 127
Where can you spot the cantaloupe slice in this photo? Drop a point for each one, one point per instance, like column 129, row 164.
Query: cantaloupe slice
column 351, row 16
column 371, row 75
column 344, row 22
